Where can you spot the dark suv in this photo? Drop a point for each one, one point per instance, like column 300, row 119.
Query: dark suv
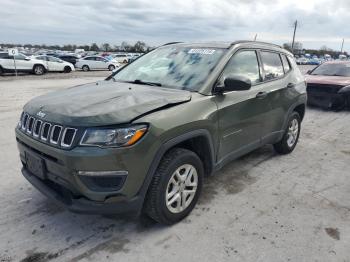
column 146, row 137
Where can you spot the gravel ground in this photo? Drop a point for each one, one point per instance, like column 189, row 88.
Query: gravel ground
column 262, row 207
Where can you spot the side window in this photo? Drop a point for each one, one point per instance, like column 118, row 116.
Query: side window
column 91, row 58
column 100, row 59
column 286, row 64
column 272, row 65
column 41, row 58
column 20, row 57
column 4, row 56
column 243, row 63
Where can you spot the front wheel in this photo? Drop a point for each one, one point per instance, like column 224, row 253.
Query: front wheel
column 291, row 135
column 111, row 67
column 67, row 69
column 175, row 187
column 85, row 68
column 38, row 70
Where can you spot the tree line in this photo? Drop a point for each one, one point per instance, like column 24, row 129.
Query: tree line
column 299, row 50
column 138, row 47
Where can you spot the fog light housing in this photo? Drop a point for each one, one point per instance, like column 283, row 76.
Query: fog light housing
column 103, row 181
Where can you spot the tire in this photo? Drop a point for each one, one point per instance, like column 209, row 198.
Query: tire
column 67, row 69
column 111, row 67
column 39, row 70
column 156, row 205
column 1, row 71
column 291, row 135
column 85, row 68
column 125, row 61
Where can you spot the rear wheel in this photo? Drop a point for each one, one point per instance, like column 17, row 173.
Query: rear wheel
column 111, row 67
column 175, row 187
column 291, row 135
column 39, row 70
column 125, row 61
column 67, row 69
column 85, row 68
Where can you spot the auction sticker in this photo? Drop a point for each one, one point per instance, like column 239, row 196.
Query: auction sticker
column 201, row 51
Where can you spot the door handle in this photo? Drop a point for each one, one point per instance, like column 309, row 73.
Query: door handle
column 290, row 85
column 261, row 95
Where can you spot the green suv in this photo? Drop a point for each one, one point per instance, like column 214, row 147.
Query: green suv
column 144, row 139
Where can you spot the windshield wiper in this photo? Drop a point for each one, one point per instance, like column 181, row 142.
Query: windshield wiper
column 140, row 82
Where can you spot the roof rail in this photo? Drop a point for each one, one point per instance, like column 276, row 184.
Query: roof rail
column 252, row 42
column 171, row 43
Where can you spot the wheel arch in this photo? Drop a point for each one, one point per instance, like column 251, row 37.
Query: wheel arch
column 38, row 64
column 198, row 141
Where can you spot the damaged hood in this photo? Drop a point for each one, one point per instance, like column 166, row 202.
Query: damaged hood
column 103, row 103
column 328, row 80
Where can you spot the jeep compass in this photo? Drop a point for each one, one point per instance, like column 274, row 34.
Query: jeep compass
column 144, row 139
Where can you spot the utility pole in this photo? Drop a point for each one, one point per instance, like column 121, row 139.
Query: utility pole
column 295, row 29
column 342, row 46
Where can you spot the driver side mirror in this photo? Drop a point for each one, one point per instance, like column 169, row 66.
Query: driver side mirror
column 234, row 83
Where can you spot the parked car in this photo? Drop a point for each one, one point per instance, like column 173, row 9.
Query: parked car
column 69, row 58
column 23, row 64
column 96, row 62
column 121, row 58
column 302, row 61
column 146, row 141
column 55, row 64
column 328, row 85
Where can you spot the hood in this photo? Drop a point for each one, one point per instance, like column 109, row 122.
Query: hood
column 328, row 80
column 103, row 103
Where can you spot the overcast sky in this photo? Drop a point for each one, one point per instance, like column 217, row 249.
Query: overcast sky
column 158, row 21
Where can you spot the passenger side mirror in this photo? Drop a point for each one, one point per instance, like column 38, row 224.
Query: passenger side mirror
column 235, row 83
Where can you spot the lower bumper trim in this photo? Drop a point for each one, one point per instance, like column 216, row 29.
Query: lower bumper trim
column 83, row 205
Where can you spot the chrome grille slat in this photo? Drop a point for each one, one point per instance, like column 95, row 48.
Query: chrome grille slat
column 42, row 135
column 54, row 140
column 30, row 125
column 37, row 122
column 46, row 132
column 69, row 144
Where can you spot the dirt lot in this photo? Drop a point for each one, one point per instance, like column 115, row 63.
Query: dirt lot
column 262, row 207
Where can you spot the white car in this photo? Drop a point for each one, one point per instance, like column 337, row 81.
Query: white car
column 55, row 64
column 121, row 58
column 96, row 62
column 23, row 64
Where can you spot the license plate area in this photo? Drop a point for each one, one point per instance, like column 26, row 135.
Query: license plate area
column 35, row 165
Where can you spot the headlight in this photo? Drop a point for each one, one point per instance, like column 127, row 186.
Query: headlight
column 113, row 137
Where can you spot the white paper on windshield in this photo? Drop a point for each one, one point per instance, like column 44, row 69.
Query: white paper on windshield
column 201, row 51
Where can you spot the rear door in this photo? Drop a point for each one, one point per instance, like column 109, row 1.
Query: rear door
column 6, row 61
column 278, row 85
column 54, row 64
column 101, row 63
column 242, row 113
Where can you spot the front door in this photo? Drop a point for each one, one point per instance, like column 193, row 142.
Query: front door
column 242, row 113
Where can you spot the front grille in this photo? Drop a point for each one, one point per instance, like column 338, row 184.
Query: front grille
column 322, row 88
column 47, row 132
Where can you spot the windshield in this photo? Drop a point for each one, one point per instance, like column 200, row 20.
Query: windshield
column 333, row 70
column 175, row 67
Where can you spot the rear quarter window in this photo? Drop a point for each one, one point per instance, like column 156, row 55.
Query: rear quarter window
column 286, row 64
column 272, row 65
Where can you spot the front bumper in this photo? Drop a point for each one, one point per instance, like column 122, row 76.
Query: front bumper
column 64, row 197
column 63, row 184
column 327, row 100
